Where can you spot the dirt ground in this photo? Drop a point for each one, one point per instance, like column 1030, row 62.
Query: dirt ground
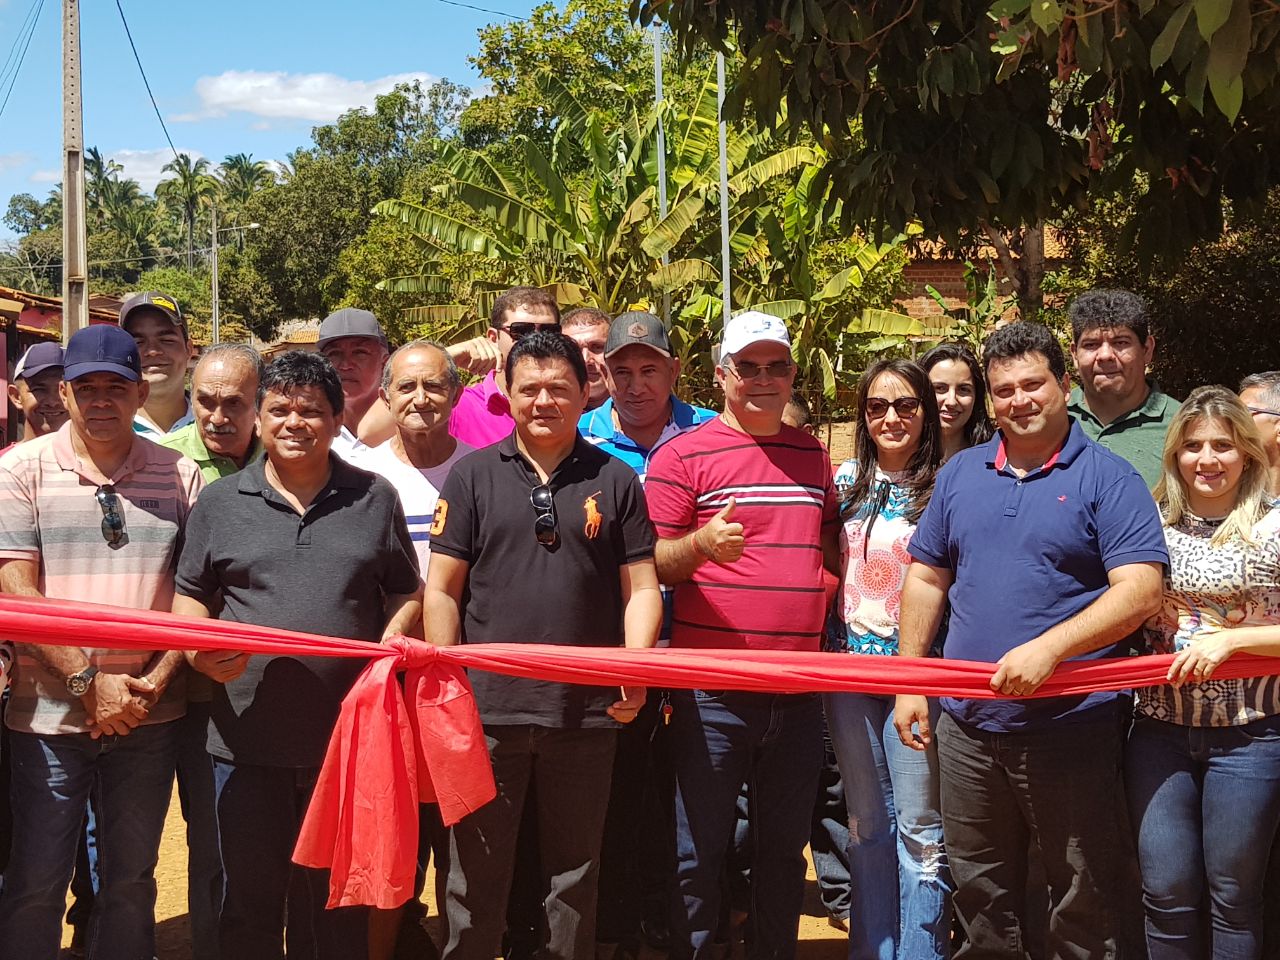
column 818, row 940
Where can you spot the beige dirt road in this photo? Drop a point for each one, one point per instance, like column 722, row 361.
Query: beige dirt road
column 818, row 941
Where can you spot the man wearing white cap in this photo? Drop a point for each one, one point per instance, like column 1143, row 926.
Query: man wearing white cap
column 745, row 512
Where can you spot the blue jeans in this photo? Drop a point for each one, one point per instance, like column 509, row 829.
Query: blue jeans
column 900, row 882
column 719, row 740
column 260, row 811
column 130, row 779
column 196, row 794
column 1206, row 805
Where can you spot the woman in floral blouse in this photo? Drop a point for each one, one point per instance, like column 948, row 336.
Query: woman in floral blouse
column 1203, row 761
column 900, row 884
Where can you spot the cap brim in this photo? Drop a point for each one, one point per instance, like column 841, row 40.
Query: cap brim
column 347, row 336
column 77, row 370
column 638, row 343
column 36, row 370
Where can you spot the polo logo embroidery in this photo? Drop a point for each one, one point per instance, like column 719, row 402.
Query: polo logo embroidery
column 438, row 519
column 638, row 329
column 594, row 517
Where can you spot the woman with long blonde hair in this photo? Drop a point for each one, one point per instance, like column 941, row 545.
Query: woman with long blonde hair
column 1203, row 760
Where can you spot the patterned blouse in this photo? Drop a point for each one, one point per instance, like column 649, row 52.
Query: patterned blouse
column 874, row 568
column 1208, row 589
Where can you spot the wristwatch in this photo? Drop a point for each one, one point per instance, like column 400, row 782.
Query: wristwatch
column 78, row 683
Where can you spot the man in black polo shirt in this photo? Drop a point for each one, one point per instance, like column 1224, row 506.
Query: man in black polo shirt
column 541, row 538
column 302, row 541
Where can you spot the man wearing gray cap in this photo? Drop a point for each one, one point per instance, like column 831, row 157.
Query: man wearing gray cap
column 353, row 341
column 34, row 390
column 157, row 326
column 642, row 410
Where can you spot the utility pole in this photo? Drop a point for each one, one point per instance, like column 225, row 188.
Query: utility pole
column 75, row 266
column 214, row 283
column 658, row 98
column 724, row 190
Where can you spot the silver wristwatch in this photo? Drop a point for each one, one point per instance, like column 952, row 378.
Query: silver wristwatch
column 78, row 683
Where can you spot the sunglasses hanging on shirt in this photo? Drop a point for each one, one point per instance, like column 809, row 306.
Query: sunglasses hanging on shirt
column 113, row 529
column 545, row 527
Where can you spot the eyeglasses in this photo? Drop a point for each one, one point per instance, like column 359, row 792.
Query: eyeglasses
column 1274, row 413
column 518, row 331
column 877, row 408
column 747, row 370
column 545, row 527
column 113, row 530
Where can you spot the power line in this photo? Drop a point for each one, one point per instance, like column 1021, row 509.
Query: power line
column 470, row 6
column 176, row 255
column 146, row 83
column 13, row 79
column 17, row 41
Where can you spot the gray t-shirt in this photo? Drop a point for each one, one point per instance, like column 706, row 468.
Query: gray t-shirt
column 328, row 571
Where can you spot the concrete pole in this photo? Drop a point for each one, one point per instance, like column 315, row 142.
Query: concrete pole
column 658, row 98
column 214, row 281
column 724, row 190
column 75, row 266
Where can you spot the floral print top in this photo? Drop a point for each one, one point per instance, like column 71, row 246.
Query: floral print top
column 875, row 567
column 1208, row 589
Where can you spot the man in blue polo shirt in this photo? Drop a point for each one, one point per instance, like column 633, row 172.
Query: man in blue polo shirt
column 1049, row 548
column 642, row 411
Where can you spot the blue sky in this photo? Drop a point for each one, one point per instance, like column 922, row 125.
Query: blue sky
column 231, row 77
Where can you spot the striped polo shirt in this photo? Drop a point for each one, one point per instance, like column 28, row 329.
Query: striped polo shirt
column 772, row 598
column 49, row 513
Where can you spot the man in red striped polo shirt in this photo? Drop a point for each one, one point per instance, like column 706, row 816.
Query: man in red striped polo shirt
column 745, row 513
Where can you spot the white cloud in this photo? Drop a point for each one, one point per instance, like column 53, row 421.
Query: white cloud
column 147, row 166
column 46, row 176
column 12, row 161
column 318, row 97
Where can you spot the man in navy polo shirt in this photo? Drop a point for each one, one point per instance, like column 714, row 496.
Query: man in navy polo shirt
column 1049, row 548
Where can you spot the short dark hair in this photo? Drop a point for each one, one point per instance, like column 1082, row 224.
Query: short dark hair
column 801, row 403
column 1268, row 383
column 1020, row 339
column 585, row 317
column 1107, row 309
column 298, row 368
column 546, row 345
column 530, row 298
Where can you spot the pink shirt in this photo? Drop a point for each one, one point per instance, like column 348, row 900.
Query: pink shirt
column 482, row 415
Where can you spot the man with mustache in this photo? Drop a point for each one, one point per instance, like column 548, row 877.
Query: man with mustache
column 221, row 441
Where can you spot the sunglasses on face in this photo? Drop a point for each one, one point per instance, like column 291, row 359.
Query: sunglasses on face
column 877, row 408
column 545, row 528
column 113, row 530
column 518, row 331
column 747, row 370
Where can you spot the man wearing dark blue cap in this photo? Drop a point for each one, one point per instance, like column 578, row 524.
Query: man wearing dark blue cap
column 92, row 513
column 34, row 390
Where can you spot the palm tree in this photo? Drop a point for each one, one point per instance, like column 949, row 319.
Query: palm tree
column 241, row 177
column 190, row 188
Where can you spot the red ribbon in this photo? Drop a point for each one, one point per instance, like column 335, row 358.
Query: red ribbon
column 394, row 748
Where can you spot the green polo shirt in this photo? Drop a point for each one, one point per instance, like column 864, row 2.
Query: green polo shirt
column 1138, row 435
column 188, row 442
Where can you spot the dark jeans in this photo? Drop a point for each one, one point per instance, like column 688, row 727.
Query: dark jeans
column 571, row 770
column 829, row 835
column 197, row 796
column 720, row 740
column 260, row 810
column 638, row 853
column 1055, row 788
column 1206, row 805
column 130, row 779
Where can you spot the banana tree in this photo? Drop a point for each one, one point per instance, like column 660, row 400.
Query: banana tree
column 577, row 218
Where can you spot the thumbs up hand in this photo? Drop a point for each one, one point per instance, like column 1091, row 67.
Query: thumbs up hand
column 720, row 539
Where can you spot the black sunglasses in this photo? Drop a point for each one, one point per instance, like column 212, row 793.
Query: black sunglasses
column 113, row 530
column 518, row 331
column 878, row 407
column 545, row 527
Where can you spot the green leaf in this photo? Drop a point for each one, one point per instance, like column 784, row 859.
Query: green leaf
column 782, row 309
column 683, row 273
column 1046, row 14
column 1007, row 8
column 453, row 235
column 886, row 322
column 440, row 313
column 667, row 233
column 1228, row 96
column 1210, row 15
column 1163, row 46
column 828, row 375
column 420, row 283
